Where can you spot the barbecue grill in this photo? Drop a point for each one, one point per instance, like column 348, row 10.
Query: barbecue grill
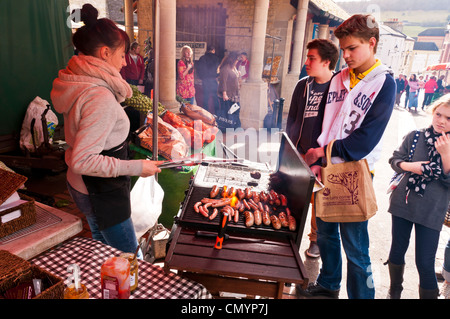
column 292, row 177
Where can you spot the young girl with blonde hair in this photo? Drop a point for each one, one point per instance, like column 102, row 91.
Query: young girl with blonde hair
column 421, row 199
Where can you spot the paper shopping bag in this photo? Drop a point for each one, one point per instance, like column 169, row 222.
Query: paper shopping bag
column 348, row 194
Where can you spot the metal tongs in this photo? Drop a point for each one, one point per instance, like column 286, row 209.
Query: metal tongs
column 197, row 159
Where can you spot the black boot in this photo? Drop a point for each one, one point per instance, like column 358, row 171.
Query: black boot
column 428, row 293
column 396, row 275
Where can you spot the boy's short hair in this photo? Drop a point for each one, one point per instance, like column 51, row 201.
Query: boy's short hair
column 362, row 26
column 327, row 51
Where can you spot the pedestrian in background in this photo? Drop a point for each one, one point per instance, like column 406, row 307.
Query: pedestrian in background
column 413, row 93
column 359, row 104
column 228, row 90
column 243, row 66
column 420, row 200
column 207, row 70
column 430, row 87
column 185, row 69
column 400, row 88
column 134, row 71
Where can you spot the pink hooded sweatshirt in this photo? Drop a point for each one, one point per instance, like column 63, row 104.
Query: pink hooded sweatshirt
column 88, row 93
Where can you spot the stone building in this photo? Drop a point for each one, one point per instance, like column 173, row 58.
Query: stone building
column 259, row 27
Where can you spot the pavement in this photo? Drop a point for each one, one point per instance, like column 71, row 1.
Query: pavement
column 267, row 145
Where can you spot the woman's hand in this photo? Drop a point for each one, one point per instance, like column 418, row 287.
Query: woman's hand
column 442, row 145
column 225, row 96
column 150, row 168
column 413, row 167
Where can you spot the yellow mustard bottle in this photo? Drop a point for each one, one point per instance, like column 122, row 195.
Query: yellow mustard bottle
column 134, row 269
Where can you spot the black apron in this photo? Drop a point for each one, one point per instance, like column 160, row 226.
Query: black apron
column 110, row 196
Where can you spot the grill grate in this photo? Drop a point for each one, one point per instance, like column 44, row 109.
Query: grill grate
column 190, row 218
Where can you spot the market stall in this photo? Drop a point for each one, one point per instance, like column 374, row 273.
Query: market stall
column 265, row 213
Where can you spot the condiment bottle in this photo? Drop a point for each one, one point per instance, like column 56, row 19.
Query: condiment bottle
column 134, row 269
column 76, row 293
column 115, row 278
column 75, row 290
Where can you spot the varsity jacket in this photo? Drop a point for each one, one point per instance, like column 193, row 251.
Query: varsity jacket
column 357, row 119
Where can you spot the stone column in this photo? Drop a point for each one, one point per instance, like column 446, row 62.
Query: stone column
column 129, row 21
column 254, row 91
column 290, row 80
column 299, row 37
column 167, row 55
column 324, row 31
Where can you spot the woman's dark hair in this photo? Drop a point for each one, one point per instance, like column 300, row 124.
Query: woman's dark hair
column 98, row 32
column 229, row 59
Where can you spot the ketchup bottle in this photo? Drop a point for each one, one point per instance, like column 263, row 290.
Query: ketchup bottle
column 115, row 278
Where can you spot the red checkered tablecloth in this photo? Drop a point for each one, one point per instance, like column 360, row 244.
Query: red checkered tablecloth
column 89, row 254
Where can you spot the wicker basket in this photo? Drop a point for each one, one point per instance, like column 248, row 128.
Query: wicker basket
column 10, row 182
column 27, row 217
column 15, row 271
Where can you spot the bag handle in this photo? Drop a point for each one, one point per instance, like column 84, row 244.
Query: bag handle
column 328, row 154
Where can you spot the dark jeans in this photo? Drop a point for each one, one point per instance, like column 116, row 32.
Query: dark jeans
column 427, row 99
column 121, row 236
column 210, row 90
column 427, row 241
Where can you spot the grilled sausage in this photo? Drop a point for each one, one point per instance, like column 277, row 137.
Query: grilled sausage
column 246, row 205
column 240, row 194
column 248, row 193
column 288, row 211
column 214, row 191
column 214, row 214
column 203, row 211
column 265, row 218
column 236, row 216
column 255, row 197
column 283, row 219
column 249, row 218
column 292, row 223
column 252, row 204
column 260, row 207
column 231, row 192
column 258, row 217
column 196, row 206
column 275, row 222
column 263, row 196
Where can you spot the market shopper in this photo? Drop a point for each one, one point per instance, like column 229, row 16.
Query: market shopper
column 134, row 71
column 400, row 82
column 322, row 56
column 207, row 70
column 88, row 93
column 421, row 200
column 243, row 66
column 414, row 87
column 229, row 88
column 185, row 81
column 356, row 111
column 430, row 87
